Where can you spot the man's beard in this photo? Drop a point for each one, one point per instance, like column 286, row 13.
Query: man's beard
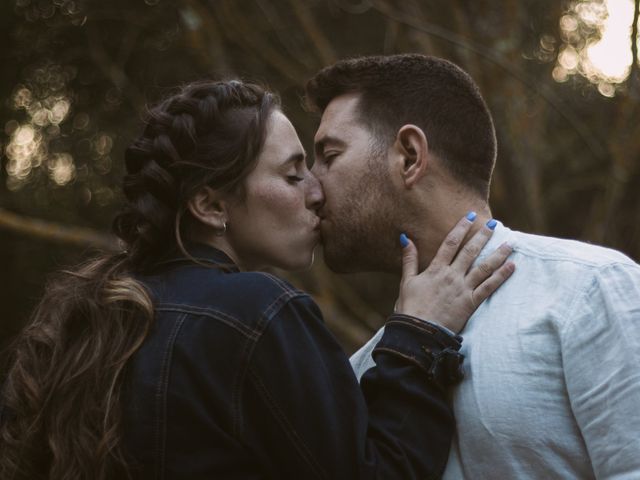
column 364, row 235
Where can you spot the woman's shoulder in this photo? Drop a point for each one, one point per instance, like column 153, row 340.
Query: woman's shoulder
column 246, row 296
column 263, row 281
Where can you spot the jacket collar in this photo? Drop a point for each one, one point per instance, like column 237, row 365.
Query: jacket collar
column 201, row 253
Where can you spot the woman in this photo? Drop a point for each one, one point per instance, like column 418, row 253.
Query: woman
column 177, row 359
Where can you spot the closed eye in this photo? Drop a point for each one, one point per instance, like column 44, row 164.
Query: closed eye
column 294, row 178
column 330, row 157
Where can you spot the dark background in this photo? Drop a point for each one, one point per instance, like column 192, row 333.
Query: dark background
column 76, row 76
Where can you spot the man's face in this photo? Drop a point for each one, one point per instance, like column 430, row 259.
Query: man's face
column 358, row 218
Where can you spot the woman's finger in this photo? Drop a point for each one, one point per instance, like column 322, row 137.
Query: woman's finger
column 409, row 258
column 449, row 247
column 491, row 284
column 484, row 268
column 470, row 250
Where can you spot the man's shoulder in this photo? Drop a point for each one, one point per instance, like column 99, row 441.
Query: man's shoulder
column 582, row 255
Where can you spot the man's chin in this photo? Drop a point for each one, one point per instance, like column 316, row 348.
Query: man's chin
column 339, row 260
column 336, row 266
column 353, row 260
column 329, row 257
column 348, row 253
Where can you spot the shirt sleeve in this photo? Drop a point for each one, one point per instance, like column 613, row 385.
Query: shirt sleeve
column 306, row 416
column 601, row 357
column 362, row 360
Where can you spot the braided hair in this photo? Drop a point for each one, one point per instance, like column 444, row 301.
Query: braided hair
column 64, row 382
column 207, row 134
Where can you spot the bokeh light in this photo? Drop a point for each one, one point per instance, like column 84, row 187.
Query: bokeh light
column 61, row 168
column 596, row 38
column 25, row 151
column 610, row 57
column 45, row 99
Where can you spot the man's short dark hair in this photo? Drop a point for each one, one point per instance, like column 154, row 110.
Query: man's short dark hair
column 430, row 92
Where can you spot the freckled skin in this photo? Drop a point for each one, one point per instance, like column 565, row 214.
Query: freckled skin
column 276, row 223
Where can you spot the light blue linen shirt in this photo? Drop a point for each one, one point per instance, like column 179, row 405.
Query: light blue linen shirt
column 552, row 368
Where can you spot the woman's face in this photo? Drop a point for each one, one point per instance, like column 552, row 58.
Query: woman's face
column 276, row 223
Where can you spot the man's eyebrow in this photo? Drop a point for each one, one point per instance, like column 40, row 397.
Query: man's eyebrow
column 327, row 140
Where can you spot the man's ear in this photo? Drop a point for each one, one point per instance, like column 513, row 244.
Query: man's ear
column 413, row 147
column 209, row 208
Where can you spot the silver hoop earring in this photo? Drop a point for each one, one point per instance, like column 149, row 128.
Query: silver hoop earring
column 224, row 230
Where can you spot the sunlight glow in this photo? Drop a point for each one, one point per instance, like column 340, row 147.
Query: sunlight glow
column 610, row 57
column 596, row 43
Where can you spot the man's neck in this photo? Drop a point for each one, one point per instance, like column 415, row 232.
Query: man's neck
column 431, row 232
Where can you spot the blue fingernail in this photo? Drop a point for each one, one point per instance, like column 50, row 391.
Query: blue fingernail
column 491, row 224
column 471, row 216
column 404, row 241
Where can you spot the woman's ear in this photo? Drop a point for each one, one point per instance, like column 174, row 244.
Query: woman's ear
column 412, row 145
column 208, row 207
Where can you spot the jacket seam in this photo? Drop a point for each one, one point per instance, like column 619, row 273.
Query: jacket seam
column 289, row 430
column 274, row 307
column 265, row 318
column 413, row 360
column 161, row 400
column 236, row 391
column 425, row 328
column 278, row 281
column 227, row 319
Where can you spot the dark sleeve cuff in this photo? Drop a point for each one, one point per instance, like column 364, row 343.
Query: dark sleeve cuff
column 429, row 347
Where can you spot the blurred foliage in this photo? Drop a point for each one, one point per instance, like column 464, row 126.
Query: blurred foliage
column 77, row 75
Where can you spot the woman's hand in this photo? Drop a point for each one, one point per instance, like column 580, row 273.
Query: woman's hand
column 448, row 291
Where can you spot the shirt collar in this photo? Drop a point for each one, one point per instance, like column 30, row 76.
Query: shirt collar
column 501, row 234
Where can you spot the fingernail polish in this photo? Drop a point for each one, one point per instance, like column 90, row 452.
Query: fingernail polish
column 404, row 241
column 471, row 216
column 491, row 224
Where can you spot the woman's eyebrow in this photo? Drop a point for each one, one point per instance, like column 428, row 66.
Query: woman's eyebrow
column 295, row 158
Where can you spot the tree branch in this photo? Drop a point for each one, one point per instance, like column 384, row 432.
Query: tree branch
column 319, row 40
column 205, row 38
column 112, row 70
column 237, row 29
column 634, row 75
column 55, row 232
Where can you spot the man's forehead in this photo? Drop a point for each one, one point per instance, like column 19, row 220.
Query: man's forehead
column 340, row 115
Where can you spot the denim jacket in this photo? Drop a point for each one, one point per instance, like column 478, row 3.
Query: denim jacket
column 240, row 379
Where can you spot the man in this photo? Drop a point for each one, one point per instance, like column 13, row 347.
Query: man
column 552, row 376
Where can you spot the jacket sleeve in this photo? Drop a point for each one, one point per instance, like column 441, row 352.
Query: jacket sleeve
column 306, row 416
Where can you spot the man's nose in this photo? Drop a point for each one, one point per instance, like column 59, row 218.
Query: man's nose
column 315, row 194
column 316, row 170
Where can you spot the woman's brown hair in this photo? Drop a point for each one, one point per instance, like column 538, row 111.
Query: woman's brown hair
column 63, row 389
